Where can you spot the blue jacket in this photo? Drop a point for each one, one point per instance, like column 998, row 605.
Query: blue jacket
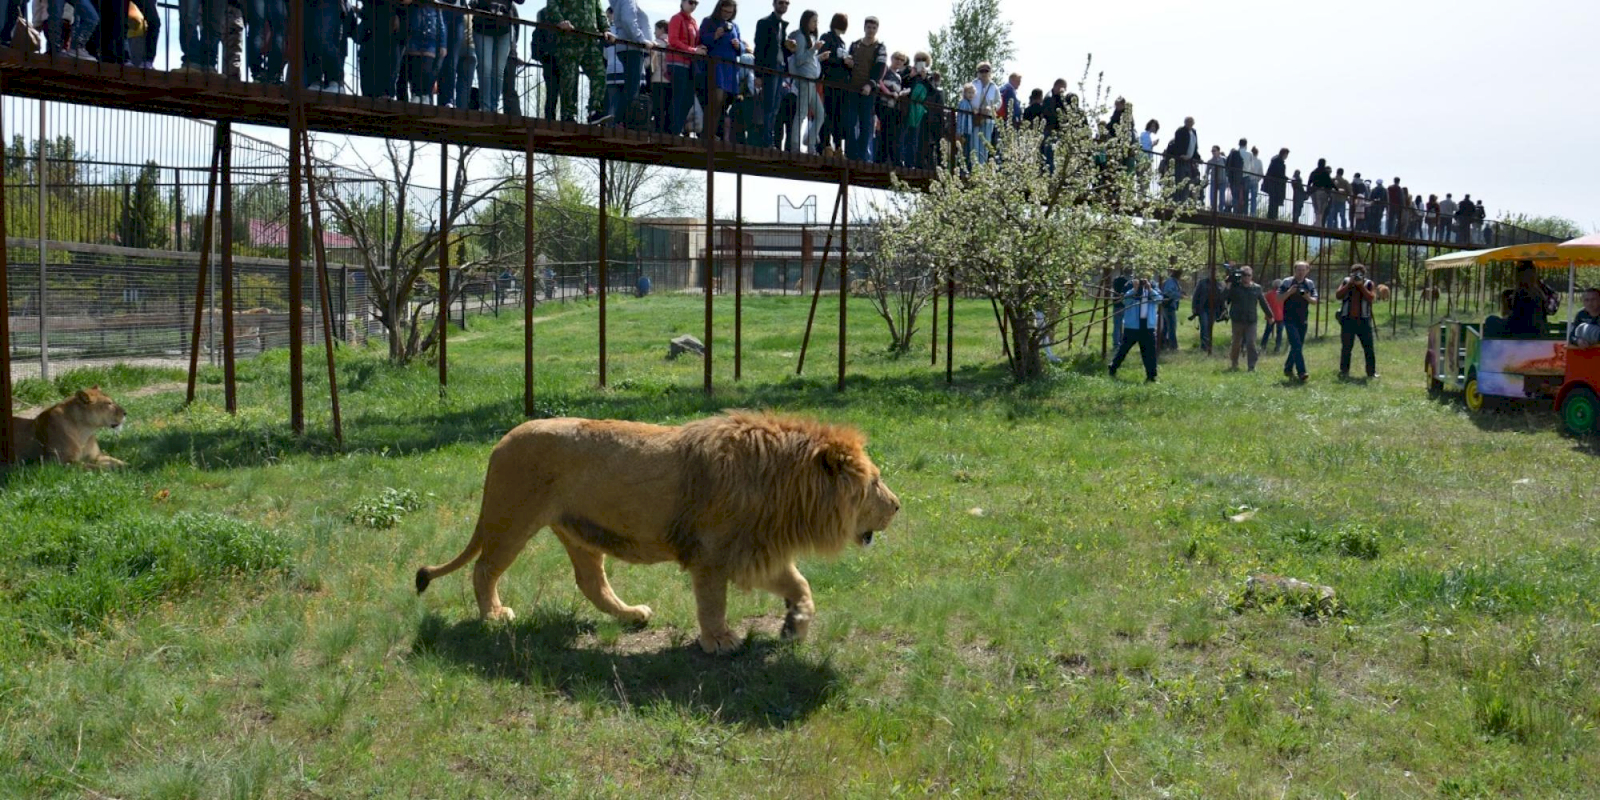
column 723, row 49
column 427, row 30
column 1149, row 307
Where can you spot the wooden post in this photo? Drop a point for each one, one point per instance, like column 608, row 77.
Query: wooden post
column 711, row 120
column 444, row 266
column 230, row 385
column 844, row 269
column 604, row 277
column 8, row 448
column 527, row 275
column 738, row 276
column 297, row 398
column 323, row 289
column 949, row 332
column 205, row 262
column 816, row 283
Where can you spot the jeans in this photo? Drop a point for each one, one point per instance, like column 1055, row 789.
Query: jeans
column 1169, row 326
column 1146, row 339
column 552, row 84
column 1244, row 336
column 1206, row 322
column 266, row 40
column 1116, row 325
column 982, row 135
column 421, row 71
column 14, row 11
column 493, row 50
column 1296, row 362
column 911, row 147
column 460, row 63
column 199, row 31
column 771, row 94
column 1254, row 187
column 324, row 46
column 632, row 73
column 859, row 112
column 1274, row 205
column 1336, row 215
column 1349, row 331
column 1299, row 209
column 807, row 101
column 85, row 19
column 1272, row 327
column 682, row 96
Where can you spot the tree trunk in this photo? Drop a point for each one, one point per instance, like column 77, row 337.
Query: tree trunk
column 1026, row 363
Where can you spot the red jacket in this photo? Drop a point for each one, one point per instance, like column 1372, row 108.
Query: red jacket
column 683, row 36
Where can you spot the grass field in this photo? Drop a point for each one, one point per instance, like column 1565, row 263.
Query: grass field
column 1058, row 611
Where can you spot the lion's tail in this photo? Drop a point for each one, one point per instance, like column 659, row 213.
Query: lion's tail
column 425, row 575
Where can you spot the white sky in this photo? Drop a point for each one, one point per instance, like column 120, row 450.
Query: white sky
column 1500, row 100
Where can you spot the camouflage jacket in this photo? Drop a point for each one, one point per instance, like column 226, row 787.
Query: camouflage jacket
column 585, row 15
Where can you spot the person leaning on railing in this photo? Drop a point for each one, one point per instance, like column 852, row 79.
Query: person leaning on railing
column 804, row 49
column 683, row 36
column 577, row 51
column 720, row 36
column 833, row 56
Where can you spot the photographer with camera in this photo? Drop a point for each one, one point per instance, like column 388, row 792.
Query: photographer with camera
column 1356, row 294
column 1244, row 297
column 1298, row 294
column 1142, row 303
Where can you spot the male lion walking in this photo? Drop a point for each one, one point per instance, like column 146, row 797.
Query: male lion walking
column 730, row 498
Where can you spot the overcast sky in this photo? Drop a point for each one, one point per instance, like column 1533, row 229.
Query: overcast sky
column 1500, row 100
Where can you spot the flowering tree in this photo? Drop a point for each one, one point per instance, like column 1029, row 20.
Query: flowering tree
column 1048, row 211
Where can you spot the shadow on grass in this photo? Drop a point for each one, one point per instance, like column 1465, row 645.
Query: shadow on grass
column 766, row 684
column 249, row 444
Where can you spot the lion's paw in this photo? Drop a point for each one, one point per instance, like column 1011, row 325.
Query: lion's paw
column 637, row 615
column 501, row 614
column 795, row 626
column 720, row 643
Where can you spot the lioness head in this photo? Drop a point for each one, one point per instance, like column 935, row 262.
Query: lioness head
column 93, row 407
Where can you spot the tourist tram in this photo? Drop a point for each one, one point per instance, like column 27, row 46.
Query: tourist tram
column 1474, row 358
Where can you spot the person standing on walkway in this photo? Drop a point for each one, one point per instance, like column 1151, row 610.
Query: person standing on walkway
column 574, row 53
column 1298, row 294
column 867, row 60
column 1275, row 182
column 683, row 35
column 1321, row 181
column 1237, row 165
column 1355, row 295
column 772, row 48
column 1142, row 303
column 632, row 25
column 1244, row 297
column 807, row 70
column 1299, row 187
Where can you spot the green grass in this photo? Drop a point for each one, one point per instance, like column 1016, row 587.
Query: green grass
column 1056, row 613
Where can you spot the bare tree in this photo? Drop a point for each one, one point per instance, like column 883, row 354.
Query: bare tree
column 645, row 190
column 396, row 233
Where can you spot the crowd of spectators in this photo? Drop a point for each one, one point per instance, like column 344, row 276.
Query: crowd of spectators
column 1234, row 182
column 798, row 87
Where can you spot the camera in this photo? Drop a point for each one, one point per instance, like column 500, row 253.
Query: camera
column 1235, row 276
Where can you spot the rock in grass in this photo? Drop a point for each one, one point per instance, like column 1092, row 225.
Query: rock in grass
column 1262, row 589
column 685, row 344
